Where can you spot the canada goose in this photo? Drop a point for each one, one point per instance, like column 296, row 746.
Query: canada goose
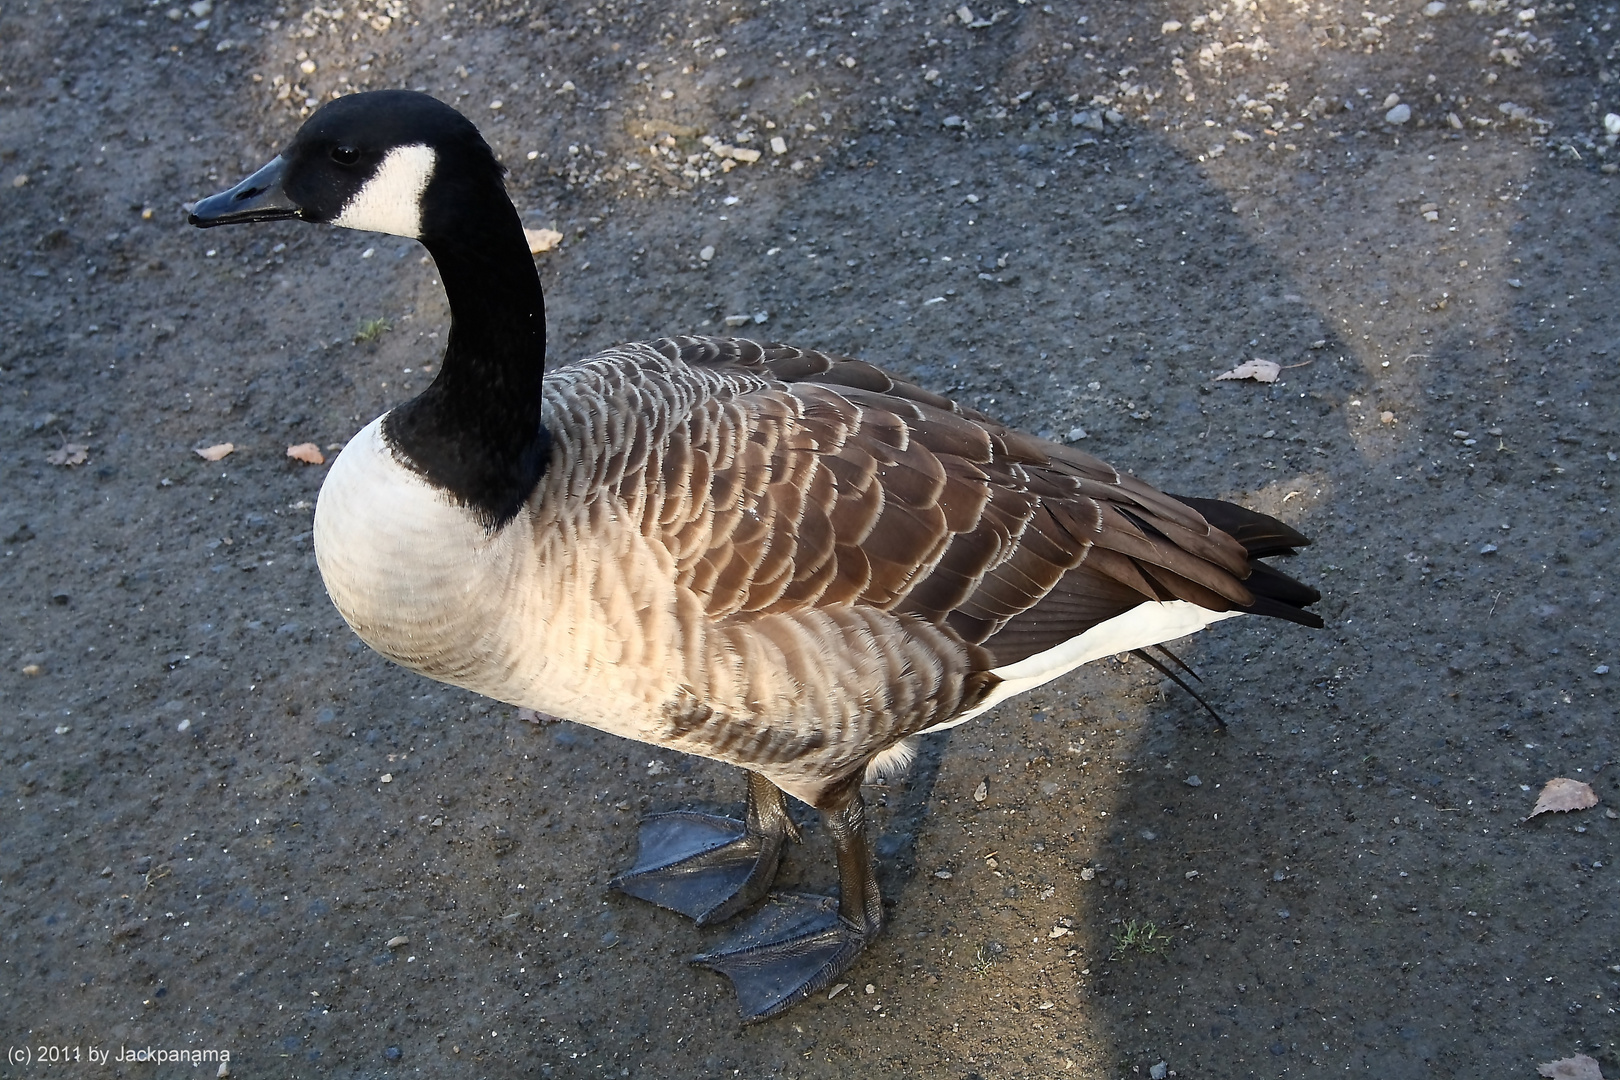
column 783, row 559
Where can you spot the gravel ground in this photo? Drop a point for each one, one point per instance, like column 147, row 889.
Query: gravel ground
column 228, row 827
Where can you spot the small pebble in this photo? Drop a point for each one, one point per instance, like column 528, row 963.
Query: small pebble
column 1433, row 8
column 707, row 253
column 982, row 792
column 1486, row 549
column 398, row 942
column 1159, row 1071
column 1386, row 417
column 1193, row 781
column 949, row 121
column 943, row 875
column 835, row 991
column 388, row 778
column 1611, row 124
column 20, row 180
column 778, row 145
column 1077, row 433
column 1400, row 114
column 1087, row 874
column 870, row 989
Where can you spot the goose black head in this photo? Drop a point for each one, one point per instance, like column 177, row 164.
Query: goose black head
column 389, row 161
column 398, row 162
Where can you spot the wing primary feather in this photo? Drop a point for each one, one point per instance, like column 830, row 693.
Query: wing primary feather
column 1177, row 679
column 1180, row 663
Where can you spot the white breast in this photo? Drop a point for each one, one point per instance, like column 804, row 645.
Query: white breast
column 564, row 610
column 400, row 560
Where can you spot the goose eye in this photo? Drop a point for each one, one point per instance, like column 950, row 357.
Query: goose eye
column 345, row 155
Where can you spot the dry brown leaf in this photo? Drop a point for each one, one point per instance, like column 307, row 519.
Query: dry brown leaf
column 542, row 239
column 71, row 454
column 1579, row 1067
column 307, row 452
column 1256, row 369
column 1562, row 794
column 215, row 452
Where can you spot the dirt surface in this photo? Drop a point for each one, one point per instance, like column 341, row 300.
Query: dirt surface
column 228, row 827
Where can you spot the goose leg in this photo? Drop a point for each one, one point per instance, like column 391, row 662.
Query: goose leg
column 710, row 867
column 797, row 944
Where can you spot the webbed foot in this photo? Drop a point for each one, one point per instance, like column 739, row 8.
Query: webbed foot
column 709, row 867
column 795, row 946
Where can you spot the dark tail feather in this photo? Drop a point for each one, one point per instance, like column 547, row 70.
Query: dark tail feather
column 1281, row 597
column 1260, row 535
column 1275, row 593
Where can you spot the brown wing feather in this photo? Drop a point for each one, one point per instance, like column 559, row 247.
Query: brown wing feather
column 830, row 482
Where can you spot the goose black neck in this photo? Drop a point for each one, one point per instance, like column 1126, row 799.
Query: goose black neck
column 476, row 430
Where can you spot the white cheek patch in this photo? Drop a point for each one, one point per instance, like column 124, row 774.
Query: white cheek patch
column 391, row 201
